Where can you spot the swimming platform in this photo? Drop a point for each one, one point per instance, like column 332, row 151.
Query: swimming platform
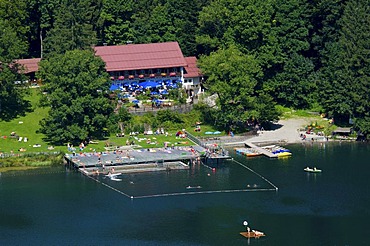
column 138, row 160
column 127, row 160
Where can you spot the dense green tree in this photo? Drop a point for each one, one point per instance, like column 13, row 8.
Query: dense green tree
column 166, row 20
column 232, row 76
column 324, row 18
column 347, row 76
column 116, row 22
column 246, row 24
column 276, row 33
column 14, row 13
column 75, row 84
column 290, row 78
column 74, row 27
column 14, row 27
column 40, row 19
column 160, row 28
column 11, row 95
column 213, row 22
column 184, row 17
column 295, row 85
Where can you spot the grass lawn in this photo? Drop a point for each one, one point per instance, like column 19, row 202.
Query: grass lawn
column 140, row 141
column 26, row 126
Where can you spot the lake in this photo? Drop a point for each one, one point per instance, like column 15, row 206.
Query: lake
column 57, row 206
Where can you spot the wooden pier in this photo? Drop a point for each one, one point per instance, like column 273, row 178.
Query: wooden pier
column 261, row 150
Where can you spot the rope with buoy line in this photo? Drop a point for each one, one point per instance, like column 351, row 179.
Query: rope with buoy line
column 202, row 192
column 275, row 188
column 259, row 175
column 108, row 186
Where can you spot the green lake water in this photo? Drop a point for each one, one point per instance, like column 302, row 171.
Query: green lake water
column 56, row 206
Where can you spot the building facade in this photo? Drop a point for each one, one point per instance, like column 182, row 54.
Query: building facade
column 150, row 62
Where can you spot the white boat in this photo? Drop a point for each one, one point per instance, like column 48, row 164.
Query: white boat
column 312, row 170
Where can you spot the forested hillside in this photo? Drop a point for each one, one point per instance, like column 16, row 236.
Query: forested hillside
column 255, row 54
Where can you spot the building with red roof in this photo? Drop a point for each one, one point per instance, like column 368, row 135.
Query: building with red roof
column 140, row 61
column 192, row 77
column 155, row 61
column 30, row 66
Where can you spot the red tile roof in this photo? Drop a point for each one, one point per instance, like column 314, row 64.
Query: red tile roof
column 30, row 65
column 141, row 56
column 192, row 69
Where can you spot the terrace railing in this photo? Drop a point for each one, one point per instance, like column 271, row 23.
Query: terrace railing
column 184, row 108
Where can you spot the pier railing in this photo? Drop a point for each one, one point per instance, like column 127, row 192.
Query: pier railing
column 195, row 139
column 220, row 140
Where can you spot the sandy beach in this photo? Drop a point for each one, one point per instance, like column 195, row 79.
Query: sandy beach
column 286, row 130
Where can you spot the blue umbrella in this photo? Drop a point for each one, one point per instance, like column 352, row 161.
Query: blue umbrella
column 164, row 92
column 113, row 87
column 153, row 93
column 135, row 101
column 148, row 84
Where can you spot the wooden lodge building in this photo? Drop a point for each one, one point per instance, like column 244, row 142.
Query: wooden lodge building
column 140, row 63
column 30, row 67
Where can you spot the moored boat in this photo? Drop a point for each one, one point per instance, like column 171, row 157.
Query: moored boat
column 252, row 154
column 283, row 154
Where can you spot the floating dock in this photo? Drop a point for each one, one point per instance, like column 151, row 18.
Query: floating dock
column 272, row 151
column 252, row 234
column 249, row 152
column 260, row 150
